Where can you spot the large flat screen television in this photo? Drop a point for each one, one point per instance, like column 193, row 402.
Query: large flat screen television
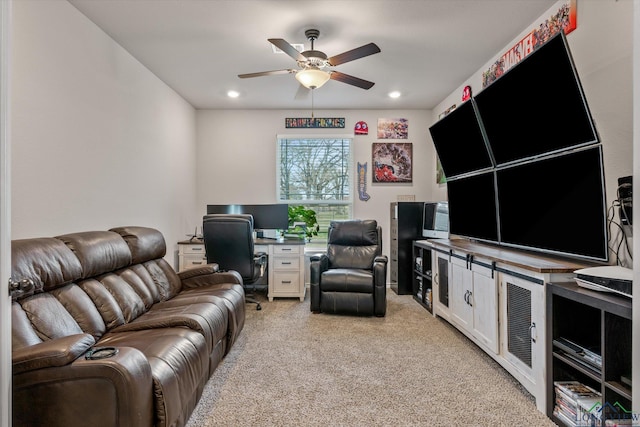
column 537, row 107
column 265, row 217
column 460, row 143
column 435, row 220
column 472, row 207
column 555, row 204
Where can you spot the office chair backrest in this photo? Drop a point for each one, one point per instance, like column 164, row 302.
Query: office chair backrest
column 228, row 241
column 354, row 243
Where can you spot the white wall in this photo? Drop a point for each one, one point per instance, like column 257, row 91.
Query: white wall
column 237, row 149
column 601, row 47
column 98, row 140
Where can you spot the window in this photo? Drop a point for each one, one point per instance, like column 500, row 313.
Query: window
column 316, row 172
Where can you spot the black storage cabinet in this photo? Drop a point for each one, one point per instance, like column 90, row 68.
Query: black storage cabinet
column 406, row 226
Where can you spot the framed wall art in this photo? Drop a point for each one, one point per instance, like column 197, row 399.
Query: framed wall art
column 393, row 128
column 392, row 162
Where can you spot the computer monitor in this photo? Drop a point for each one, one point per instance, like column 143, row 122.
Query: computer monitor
column 265, row 217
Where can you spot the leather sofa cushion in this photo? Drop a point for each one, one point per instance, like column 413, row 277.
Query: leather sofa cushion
column 98, row 251
column 47, row 261
column 347, row 303
column 231, row 295
column 208, row 319
column 179, row 366
column 144, row 243
column 347, row 280
column 353, row 244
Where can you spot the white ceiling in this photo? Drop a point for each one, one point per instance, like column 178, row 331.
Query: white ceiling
column 428, row 47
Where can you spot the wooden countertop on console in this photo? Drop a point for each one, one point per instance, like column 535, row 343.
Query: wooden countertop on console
column 258, row 241
column 515, row 257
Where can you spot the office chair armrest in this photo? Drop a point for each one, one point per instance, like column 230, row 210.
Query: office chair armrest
column 202, row 276
column 260, row 258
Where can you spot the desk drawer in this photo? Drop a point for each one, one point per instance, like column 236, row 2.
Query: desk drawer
column 287, row 249
column 192, row 261
column 286, row 263
column 286, row 283
column 192, row 249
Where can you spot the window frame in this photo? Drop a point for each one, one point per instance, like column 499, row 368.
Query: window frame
column 351, row 174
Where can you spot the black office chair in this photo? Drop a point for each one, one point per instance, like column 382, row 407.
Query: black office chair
column 228, row 242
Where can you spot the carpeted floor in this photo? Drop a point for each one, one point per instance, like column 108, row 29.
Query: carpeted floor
column 291, row 368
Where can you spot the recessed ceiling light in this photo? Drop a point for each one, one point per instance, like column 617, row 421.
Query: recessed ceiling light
column 233, row 94
column 394, row 94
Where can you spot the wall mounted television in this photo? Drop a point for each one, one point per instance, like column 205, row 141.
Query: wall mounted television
column 460, row 132
column 265, row 217
column 435, row 220
column 546, row 189
column 555, row 205
column 472, row 206
column 536, row 108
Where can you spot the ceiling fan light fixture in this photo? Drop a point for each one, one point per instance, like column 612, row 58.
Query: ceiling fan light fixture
column 312, row 78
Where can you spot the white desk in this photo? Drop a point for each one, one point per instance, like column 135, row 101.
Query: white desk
column 285, row 264
column 286, row 267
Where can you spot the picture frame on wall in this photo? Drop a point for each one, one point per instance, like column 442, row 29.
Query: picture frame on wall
column 392, row 162
column 393, row 128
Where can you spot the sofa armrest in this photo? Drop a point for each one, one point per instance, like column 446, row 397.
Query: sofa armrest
column 205, row 276
column 381, row 258
column 380, row 285
column 317, row 265
column 198, row 271
column 52, row 353
column 116, row 390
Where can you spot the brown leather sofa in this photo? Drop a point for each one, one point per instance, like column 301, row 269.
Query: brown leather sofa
column 77, row 293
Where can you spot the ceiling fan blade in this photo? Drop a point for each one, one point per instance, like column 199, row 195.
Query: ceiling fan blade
column 351, row 80
column 284, row 46
column 359, row 52
column 266, row 73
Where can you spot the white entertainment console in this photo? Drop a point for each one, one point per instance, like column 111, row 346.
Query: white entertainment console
column 496, row 297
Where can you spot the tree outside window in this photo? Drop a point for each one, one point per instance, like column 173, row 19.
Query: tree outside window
column 317, row 173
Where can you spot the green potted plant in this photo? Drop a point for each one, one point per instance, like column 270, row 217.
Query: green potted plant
column 303, row 222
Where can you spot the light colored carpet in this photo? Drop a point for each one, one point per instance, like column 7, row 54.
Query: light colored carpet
column 290, row 367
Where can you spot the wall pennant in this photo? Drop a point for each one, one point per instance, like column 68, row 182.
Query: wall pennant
column 362, row 182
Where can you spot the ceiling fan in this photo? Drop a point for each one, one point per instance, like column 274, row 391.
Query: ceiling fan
column 314, row 66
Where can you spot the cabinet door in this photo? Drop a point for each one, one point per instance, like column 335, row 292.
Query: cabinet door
column 441, row 284
column 485, row 307
column 522, row 331
column 461, row 288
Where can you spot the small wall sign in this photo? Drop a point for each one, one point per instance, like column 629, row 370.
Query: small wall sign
column 313, row 122
column 362, row 182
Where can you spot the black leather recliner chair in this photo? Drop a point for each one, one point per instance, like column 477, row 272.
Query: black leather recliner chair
column 351, row 277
